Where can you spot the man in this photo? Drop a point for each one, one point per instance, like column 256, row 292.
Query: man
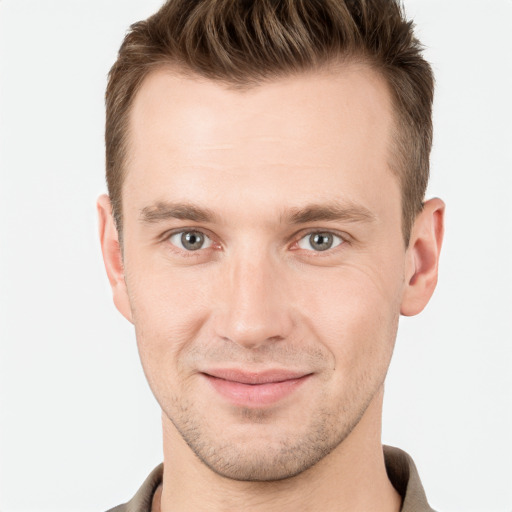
column 265, row 227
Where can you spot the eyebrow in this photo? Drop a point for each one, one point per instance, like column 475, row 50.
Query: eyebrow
column 162, row 211
column 347, row 212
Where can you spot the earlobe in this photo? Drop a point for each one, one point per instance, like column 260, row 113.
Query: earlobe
column 112, row 256
column 423, row 257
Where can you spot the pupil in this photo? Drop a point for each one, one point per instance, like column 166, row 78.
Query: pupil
column 321, row 241
column 192, row 240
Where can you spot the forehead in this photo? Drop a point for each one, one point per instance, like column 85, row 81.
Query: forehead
column 312, row 134
column 308, row 104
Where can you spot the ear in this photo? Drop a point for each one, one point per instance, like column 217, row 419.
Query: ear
column 112, row 256
column 422, row 258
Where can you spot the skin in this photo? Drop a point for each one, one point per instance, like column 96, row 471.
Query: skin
column 259, row 295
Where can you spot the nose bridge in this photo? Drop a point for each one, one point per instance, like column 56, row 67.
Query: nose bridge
column 254, row 310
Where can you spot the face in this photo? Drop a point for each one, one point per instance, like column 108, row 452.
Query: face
column 264, row 262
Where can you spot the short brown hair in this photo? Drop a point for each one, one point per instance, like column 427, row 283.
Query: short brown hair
column 242, row 43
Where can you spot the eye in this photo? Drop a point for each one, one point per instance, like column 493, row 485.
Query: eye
column 319, row 241
column 190, row 240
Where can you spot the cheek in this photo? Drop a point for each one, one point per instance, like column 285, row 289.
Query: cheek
column 168, row 310
column 354, row 313
column 168, row 314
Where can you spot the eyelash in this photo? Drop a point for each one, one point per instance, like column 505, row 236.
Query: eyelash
column 344, row 239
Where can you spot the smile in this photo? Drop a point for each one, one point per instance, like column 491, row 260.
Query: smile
column 254, row 389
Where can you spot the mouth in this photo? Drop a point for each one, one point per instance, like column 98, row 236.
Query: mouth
column 254, row 389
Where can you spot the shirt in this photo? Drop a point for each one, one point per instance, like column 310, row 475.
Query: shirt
column 400, row 467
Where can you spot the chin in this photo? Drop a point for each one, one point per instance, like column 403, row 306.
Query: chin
column 265, row 465
column 262, row 452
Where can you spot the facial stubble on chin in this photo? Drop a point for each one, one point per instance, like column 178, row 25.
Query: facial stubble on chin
column 266, row 462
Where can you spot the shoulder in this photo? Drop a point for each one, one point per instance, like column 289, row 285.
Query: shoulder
column 141, row 501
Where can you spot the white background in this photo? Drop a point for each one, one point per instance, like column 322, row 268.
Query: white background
column 79, row 428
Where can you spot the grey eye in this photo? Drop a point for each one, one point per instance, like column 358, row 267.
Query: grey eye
column 320, row 241
column 190, row 240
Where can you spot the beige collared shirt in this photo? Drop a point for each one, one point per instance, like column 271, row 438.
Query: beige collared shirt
column 401, row 470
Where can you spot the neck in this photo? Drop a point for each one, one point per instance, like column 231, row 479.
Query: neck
column 352, row 477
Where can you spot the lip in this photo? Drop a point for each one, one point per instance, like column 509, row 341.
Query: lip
column 255, row 389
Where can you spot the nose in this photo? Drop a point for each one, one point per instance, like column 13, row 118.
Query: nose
column 253, row 308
